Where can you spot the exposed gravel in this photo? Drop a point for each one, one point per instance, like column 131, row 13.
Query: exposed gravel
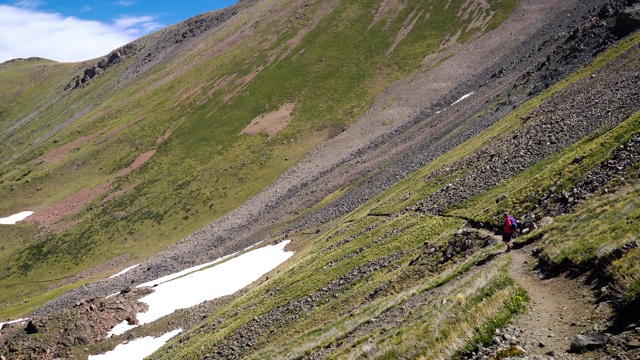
column 541, row 43
column 417, row 133
column 599, row 102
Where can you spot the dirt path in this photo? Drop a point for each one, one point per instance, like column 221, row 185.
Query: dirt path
column 559, row 309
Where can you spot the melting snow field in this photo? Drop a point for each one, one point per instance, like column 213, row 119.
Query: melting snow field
column 194, row 287
column 137, row 349
column 457, row 101
column 11, row 220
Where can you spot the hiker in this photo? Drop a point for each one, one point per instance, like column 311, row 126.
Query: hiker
column 510, row 227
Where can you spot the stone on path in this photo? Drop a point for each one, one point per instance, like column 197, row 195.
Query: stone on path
column 583, row 343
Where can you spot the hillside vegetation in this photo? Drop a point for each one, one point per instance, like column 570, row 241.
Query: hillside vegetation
column 334, row 124
column 409, row 285
column 138, row 157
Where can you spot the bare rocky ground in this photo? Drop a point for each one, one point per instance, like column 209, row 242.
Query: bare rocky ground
column 541, row 43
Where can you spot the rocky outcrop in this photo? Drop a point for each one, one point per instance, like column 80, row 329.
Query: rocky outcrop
column 509, row 341
column 114, row 58
column 156, row 46
column 583, row 343
column 555, row 202
column 628, row 21
column 87, row 322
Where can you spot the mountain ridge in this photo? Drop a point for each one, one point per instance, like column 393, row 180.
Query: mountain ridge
column 365, row 179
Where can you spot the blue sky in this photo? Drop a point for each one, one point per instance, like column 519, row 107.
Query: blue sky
column 71, row 30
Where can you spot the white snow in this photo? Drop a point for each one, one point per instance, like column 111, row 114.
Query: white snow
column 123, row 271
column 120, row 329
column 137, row 349
column 223, row 279
column 194, row 287
column 11, row 220
column 13, row 322
column 462, row 98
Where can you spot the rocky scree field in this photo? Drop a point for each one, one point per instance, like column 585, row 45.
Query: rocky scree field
column 410, row 270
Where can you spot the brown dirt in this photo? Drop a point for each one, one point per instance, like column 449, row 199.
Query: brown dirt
column 139, row 161
column 169, row 131
column 119, row 193
column 326, row 9
column 51, row 216
column 384, row 8
column 480, row 11
column 560, row 308
column 271, row 123
column 62, row 151
column 407, row 26
column 189, row 94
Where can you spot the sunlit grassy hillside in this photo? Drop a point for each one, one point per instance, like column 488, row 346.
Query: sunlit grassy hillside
column 150, row 150
column 387, row 281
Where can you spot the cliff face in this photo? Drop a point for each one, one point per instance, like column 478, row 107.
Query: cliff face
column 402, row 147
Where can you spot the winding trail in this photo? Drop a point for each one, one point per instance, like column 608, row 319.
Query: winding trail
column 559, row 308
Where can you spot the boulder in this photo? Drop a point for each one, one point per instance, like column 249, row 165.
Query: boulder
column 627, row 21
column 31, row 328
column 633, row 344
column 584, row 343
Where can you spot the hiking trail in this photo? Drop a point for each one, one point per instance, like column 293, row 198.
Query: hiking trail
column 559, row 308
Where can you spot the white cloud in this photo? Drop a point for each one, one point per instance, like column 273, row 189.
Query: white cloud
column 29, row 4
column 126, row 3
column 133, row 25
column 27, row 33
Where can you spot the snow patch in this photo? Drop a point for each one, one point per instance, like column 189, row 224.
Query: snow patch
column 220, row 280
column 190, row 287
column 137, row 349
column 462, row 98
column 120, row 329
column 12, row 322
column 123, row 271
column 11, row 220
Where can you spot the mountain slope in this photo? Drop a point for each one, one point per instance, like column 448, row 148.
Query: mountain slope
column 137, row 150
column 398, row 312
column 376, row 262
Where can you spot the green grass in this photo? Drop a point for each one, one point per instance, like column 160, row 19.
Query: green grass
column 205, row 168
column 473, row 301
column 335, row 322
column 594, row 231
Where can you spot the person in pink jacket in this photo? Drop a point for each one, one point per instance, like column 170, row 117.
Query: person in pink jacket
column 509, row 230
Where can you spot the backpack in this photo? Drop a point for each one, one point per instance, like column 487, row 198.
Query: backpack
column 514, row 222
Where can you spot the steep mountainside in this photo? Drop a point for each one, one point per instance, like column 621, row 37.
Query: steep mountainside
column 123, row 156
column 385, row 138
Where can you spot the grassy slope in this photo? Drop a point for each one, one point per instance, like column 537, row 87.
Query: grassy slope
column 205, row 168
column 442, row 307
